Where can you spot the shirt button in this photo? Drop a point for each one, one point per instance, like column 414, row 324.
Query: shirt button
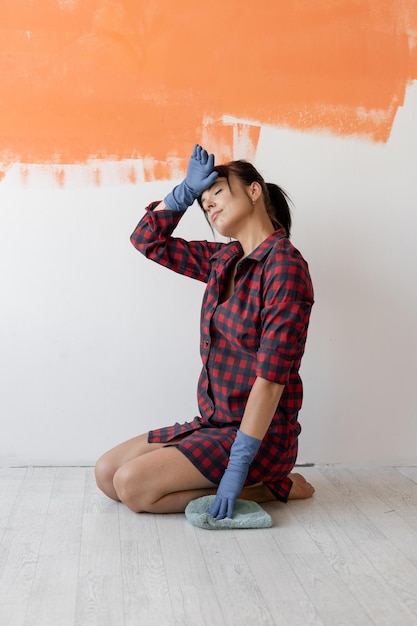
column 206, row 342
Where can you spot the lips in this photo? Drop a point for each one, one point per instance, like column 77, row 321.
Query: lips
column 214, row 215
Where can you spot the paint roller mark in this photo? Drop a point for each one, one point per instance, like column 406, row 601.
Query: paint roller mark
column 126, row 79
column 97, row 176
column 60, row 177
column 131, row 176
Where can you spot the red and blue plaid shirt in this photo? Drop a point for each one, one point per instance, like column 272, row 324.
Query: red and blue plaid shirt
column 260, row 330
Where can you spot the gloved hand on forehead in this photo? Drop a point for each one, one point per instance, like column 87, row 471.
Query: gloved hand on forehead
column 200, row 176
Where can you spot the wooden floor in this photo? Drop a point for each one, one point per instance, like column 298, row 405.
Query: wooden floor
column 348, row 556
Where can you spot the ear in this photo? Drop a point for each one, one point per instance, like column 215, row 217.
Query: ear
column 255, row 191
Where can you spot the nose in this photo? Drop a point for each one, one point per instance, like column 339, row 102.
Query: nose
column 210, row 203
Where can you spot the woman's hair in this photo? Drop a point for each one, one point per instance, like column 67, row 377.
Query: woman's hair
column 277, row 202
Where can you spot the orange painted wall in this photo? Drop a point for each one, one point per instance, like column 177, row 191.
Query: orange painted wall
column 121, row 79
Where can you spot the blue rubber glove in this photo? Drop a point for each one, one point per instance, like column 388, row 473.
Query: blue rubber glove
column 242, row 453
column 200, row 176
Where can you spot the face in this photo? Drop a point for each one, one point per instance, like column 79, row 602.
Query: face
column 227, row 206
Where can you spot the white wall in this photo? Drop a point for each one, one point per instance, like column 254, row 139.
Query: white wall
column 98, row 344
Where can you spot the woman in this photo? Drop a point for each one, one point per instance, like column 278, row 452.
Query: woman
column 255, row 315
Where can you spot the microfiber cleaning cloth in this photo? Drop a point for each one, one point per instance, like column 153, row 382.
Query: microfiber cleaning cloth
column 246, row 514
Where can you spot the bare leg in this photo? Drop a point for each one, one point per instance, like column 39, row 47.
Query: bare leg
column 162, row 481
column 108, row 464
column 158, row 479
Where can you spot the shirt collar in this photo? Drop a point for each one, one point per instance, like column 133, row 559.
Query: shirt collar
column 262, row 250
column 234, row 249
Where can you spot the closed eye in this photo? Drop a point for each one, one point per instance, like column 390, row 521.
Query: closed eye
column 204, row 202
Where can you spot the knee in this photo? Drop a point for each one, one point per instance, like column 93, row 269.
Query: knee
column 104, row 473
column 130, row 490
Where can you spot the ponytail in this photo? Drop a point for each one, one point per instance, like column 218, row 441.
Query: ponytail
column 279, row 208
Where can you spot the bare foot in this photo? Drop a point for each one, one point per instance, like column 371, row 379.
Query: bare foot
column 300, row 489
column 258, row 493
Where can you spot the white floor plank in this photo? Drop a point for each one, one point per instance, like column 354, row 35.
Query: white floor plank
column 22, row 540
column 191, row 588
column 282, row 591
column 395, row 573
column 100, row 595
column 410, row 472
column 53, row 595
column 341, row 532
column 377, row 505
column 70, row 556
column 146, row 594
column 235, row 586
column 10, row 482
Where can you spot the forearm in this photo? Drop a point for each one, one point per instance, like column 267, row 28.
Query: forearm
column 260, row 407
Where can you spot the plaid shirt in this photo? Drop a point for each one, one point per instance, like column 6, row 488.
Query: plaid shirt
column 260, row 330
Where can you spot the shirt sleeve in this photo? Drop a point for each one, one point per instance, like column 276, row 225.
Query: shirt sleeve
column 153, row 238
column 287, row 301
